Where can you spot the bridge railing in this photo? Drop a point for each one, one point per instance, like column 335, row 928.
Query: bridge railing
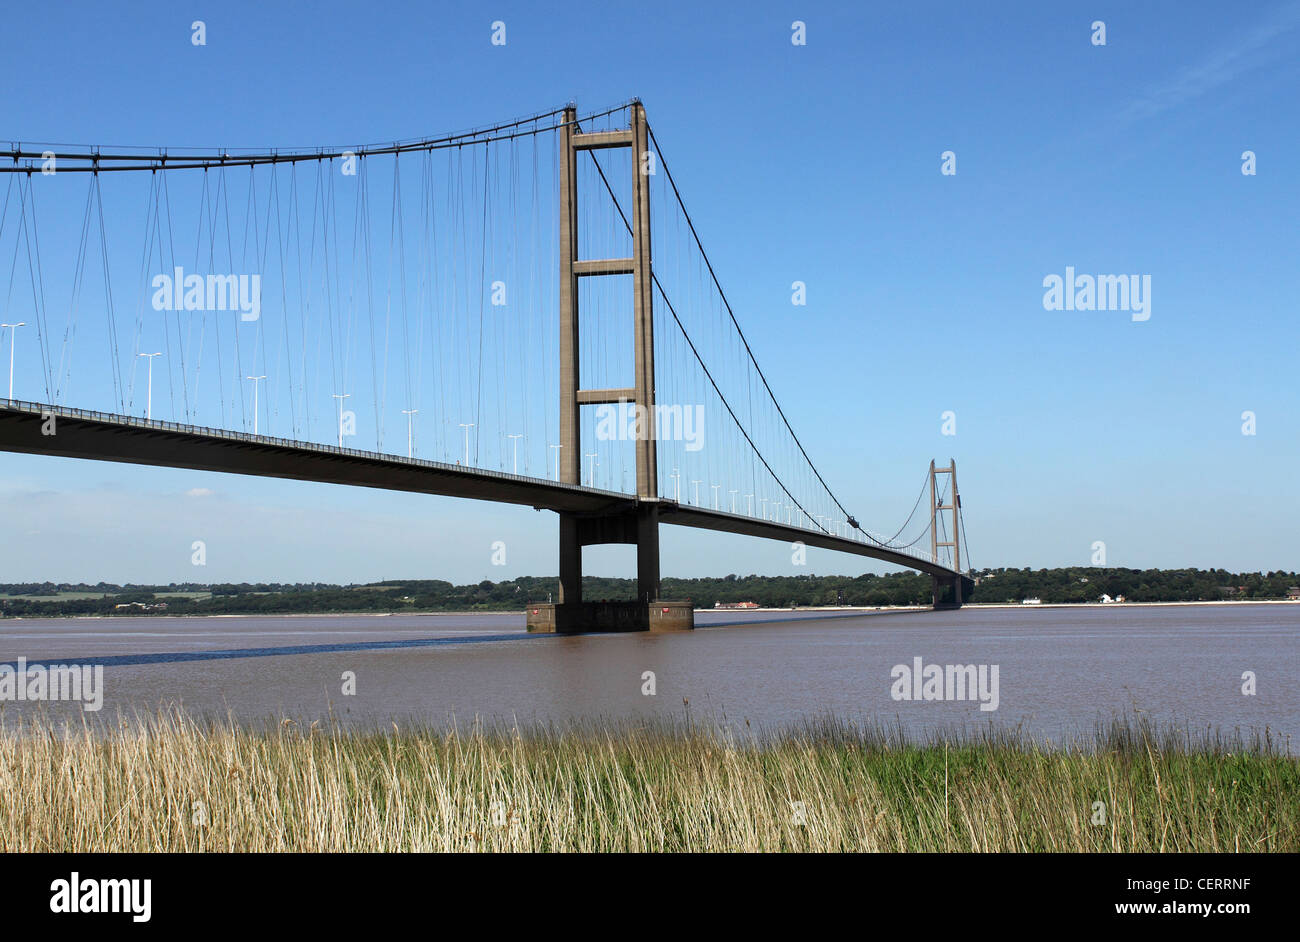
column 872, row 540
column 864, row 536
column 113, row 418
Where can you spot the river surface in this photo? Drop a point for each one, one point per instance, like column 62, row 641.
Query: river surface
column 1060, row 670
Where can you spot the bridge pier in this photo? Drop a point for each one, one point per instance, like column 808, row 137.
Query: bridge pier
column 947, row 594
column 571, row 614
column 570, row 560
column 647, row 551
column 581, row 617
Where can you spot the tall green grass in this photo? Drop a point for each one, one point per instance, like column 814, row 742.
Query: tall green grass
column 172, row 783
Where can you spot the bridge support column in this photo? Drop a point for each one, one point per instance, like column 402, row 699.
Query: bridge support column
column 647, row 551
column 570, row 561
column 947, row 594
column 638, row 524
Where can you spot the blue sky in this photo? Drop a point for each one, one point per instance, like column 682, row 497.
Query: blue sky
column 818, row 163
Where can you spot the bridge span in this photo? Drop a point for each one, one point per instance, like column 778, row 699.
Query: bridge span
column 57, row 431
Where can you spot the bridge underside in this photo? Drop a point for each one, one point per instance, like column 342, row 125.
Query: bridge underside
column 597, row 516
column 104, row 437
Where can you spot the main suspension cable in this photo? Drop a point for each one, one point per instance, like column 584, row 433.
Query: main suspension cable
column 722, row 294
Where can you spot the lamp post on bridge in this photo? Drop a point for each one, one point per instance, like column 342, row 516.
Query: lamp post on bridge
column 750, row 498
column 255, row 380
column 148, row 406
column 13, row 339
column 467, row 426
column 763, row 506
column 733, row 500
column 591, row 481
column 677, row 485
column 410, row 431
column 697, row 492
column 556, row 449
column 340, row 397
column 516, row 440
column 715, row 494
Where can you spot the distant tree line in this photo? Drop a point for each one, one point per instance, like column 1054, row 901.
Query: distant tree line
column 1085, row 584
column 1080, row 584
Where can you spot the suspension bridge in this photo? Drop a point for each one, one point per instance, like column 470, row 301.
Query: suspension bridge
column 487, row 301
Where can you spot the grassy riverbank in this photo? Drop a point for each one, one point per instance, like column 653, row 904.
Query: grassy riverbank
column 176, row 785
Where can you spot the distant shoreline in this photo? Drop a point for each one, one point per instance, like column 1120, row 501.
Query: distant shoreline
column 699, row 611
column 1016, row 605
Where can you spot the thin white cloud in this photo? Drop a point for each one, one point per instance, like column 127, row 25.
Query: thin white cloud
column 1246, row 52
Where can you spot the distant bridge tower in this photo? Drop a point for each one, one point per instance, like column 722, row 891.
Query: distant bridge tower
column 936, row 508
column 638, row 522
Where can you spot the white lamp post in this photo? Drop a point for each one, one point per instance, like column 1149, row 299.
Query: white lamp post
column 340, row 397
column 467, row 426
column 13, row 339
column 516, row 439
column 148, row 407
column 255, row 381
column 410, row 431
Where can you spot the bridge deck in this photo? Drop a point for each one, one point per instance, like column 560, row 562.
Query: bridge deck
column 101, row 436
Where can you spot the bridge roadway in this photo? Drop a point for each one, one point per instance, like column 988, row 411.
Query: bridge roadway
column 102, row 436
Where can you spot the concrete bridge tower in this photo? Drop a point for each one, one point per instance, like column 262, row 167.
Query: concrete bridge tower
column 634, row 521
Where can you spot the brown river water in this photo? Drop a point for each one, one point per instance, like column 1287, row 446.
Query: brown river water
column 1059, row 671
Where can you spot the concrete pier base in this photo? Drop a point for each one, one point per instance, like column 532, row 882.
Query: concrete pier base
column 575, row 618
column 951, row 594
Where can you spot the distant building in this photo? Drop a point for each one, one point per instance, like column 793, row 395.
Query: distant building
column 1032, row 601
column 735, row 605
column 1293, row 593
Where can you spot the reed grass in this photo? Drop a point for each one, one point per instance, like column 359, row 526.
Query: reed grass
column 170, row 782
